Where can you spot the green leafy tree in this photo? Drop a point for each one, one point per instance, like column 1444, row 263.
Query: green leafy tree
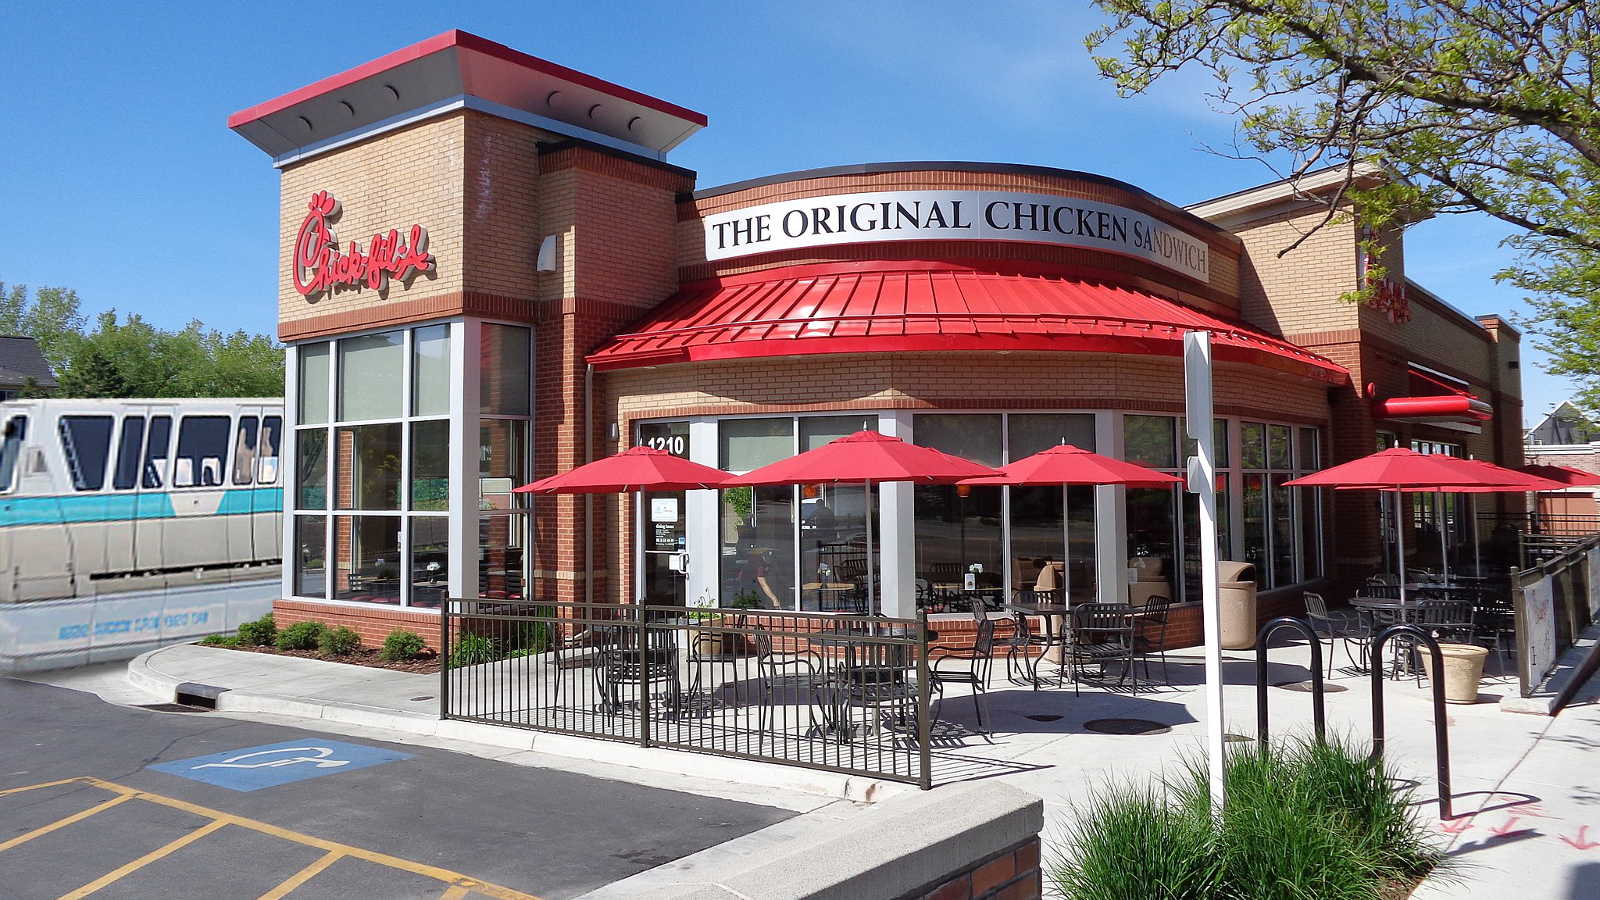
column 131, row 358
column 1482, row 106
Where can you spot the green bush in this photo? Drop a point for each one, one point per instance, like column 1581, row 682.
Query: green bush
column 219, row 640
column 473, row 650
column 263, row 632
column 300, row 636
column 339, row 641
column 1303, row 819
column 402, row 645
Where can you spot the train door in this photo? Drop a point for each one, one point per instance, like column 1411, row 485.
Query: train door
column 122, row 521
column 239, row 509
column 152, row 511
column 268, row 497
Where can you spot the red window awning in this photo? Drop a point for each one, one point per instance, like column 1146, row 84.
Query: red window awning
column 1435, row 398
column 906, row 306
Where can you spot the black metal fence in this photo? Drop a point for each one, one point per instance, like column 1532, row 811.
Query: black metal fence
column 845, row 694
column 1525, row 540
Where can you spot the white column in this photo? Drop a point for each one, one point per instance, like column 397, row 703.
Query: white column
column 289, row 468
column 1110, row 518
column 464, row 458
column 897, row 530
column 702, row 518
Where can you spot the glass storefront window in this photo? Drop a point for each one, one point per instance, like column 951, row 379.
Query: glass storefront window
column 500, row 551
column 313, row 384
column 312, row 469
column 368, row 567
column 370, row 377
column 1284, row 537
column 430, row 371
column 430, row 466
column 369, row 467
column 1278, row 452
column 1253, row 445
column 758, row 563
column 1219, row 444
column 505, row 385
column 311, row 556
column 1030, row 433
column 976, row 437
column 502, row 461
column 818, row 430
column 1150, row 440
column 1255, row 524
column 745, row 444
column 430, row 560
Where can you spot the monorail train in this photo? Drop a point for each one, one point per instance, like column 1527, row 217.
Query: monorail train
column 128, row 524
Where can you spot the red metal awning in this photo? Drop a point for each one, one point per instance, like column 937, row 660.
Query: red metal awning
column 908, row 306
column 1434, row 399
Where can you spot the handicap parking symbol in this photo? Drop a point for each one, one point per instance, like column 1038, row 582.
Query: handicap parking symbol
column 253, row 768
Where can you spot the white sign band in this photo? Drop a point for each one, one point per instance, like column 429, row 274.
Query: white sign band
column 954, row 216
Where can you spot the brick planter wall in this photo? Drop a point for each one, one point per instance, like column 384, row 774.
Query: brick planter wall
column 373, row 624
column 1012, row 874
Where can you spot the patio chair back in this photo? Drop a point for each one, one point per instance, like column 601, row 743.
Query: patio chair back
column 1446, row 620
column 1103, row 633
column 1382, row 591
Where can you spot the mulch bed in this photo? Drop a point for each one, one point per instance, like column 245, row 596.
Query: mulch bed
column 366, row 656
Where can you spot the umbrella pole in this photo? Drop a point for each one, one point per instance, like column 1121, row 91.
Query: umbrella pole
column 1066, row 551
column 1477, row 564
column 1444, row 547
column 1400, row 538
column 872, row 590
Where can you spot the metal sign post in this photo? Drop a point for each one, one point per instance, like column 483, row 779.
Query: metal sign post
column 1203, row 484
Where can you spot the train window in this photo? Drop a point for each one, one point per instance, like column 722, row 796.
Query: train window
column 11, row 437
column 127, row 471
column 155, row 452
column 86, row 444
column 202, row 447
column 271, row 439
column 244, row 450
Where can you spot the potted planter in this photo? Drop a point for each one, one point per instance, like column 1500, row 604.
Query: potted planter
column 1463, row 669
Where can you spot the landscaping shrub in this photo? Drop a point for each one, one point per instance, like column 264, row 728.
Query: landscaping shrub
column 262, row 632
column 1305, row 819
column 402, row 645
column 473, row 650
column 338, row 641
column 219, row 640
column 300, row 636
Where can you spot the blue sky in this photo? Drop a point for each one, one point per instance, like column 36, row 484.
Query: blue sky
column 121, row 179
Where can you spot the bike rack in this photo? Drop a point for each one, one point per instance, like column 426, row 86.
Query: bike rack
column 1319, row 718
column 1441, row 736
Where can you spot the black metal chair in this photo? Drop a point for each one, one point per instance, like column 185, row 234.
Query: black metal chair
column 1024, row 643
column 1102, row 633
column 1150, row 633
column 1494, row 621
column 1336, row 626
column 969, row 666
column 785, row 676
column 625, row 666
column 1447, row 621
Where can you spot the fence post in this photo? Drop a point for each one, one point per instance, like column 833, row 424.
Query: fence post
column 444, row 658
column 643, row 649
column 924, row 710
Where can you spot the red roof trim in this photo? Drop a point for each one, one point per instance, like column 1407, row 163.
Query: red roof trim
column 466, row 41
column 879, row 307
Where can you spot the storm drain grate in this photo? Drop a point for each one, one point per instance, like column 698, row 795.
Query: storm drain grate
column 422, row 698
column 1045, row 718
column 1126, row 726
column 1304, row 687
column 173, row 707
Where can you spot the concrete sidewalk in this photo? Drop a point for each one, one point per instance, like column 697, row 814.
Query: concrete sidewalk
column 1526, row 804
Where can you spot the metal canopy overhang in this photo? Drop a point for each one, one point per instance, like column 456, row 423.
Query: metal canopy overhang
column 1439, row 400
column 919, row 307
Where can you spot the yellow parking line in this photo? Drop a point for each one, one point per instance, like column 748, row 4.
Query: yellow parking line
column 455, row 879
column 62, row 823
column 302, row 876
column 35, row 787
column 144, row 860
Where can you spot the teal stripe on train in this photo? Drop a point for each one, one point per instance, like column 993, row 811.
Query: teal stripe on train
column 123, row 507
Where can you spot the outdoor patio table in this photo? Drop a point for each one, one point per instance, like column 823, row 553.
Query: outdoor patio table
column 1055, row 633
column 870, row 674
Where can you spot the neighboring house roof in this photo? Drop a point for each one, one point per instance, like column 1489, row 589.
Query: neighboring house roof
column 21, row 360
column 1565, row 424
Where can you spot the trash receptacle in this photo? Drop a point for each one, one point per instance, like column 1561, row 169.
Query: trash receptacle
column 1236, row 599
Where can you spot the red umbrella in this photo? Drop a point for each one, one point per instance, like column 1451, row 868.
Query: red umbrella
column 638, row 469
column 1566, row 475
column 866, row 457
column 1398, row 469
column 1066, row 465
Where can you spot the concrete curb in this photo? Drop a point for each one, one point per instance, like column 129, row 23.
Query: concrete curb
column 145, row 673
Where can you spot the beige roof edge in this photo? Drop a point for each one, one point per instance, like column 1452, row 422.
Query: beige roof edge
column 1304, row 187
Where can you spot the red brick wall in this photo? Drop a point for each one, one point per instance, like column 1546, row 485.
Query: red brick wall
column 373, row 623
column 1012, row 874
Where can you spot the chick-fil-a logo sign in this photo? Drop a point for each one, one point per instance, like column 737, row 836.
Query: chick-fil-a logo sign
column 319, row 264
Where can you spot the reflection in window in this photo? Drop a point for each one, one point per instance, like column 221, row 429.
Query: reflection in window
column 369, row 467
column 430, row 560
column 975, row 437
column 503, row 360
column 244, row 450
column 312, row 470
column 500, row 545
column 430, row 371
column 313, row 383
column 745, row 444
column 1150, row 440
column 430, row 466
column 311, row 556
column 758, row 547
column 1030, row 433
column 370, row 382
column 368, row 566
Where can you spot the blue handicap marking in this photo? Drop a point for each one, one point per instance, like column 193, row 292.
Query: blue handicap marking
column 270, row 765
